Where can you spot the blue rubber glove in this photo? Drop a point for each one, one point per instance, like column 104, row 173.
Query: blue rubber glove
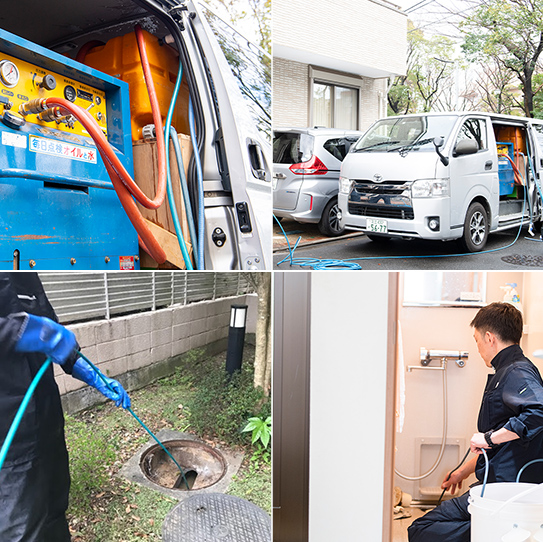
column 41, row 334
column 84, row 372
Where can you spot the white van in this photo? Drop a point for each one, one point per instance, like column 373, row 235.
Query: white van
column 444, row 176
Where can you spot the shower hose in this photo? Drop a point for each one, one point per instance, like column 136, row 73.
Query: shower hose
column 28, row 395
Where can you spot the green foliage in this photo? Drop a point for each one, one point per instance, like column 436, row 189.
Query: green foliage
column 254, row 484
column 92, row 454
column 428, row 83
column 220, row 405
column 261, row 430
column 538, row 96
column 509, row 32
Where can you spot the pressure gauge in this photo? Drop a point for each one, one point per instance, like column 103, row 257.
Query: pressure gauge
column 9, row 74
column 70, row 93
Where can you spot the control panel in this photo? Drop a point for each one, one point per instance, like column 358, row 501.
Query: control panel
column 21, row 82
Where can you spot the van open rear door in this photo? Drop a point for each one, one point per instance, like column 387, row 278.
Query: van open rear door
column 234, row 151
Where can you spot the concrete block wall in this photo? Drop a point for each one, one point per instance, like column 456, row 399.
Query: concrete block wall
column 134, row 342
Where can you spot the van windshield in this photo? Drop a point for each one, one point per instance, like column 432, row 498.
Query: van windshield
column 405, row 134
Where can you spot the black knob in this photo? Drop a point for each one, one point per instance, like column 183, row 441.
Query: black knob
column 49, row 82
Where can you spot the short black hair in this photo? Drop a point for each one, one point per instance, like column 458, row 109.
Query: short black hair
column 502, row 319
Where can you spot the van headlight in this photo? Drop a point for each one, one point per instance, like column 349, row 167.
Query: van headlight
column 430, row 188
column 345, row 185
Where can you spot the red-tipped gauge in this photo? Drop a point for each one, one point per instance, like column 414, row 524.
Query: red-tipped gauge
column 312, row 167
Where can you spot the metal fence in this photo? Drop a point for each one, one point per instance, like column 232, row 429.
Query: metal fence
column 78, row 297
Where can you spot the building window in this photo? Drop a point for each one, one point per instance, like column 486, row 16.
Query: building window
column 335, row 106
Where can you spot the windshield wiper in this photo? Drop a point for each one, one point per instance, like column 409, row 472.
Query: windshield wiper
column 407, row 148
column 375, row 145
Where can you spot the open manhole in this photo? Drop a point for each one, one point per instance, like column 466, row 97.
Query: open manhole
column 203, row 465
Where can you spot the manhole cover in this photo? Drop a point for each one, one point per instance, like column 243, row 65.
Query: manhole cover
column 203, row 465
column 523, row 259
column 216, row 518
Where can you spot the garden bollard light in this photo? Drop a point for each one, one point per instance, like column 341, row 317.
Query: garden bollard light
column 236, row 338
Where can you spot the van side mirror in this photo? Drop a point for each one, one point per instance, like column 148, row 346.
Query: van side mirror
column 466, row 146
column 438, row 143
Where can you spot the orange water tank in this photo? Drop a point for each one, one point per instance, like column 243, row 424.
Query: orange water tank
column 120, row 58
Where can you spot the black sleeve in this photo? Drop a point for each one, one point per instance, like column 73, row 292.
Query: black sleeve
column 523, row 393
column 11, row 328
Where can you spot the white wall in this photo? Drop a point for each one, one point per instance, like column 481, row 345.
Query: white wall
column 365, row 37
column 348, row 394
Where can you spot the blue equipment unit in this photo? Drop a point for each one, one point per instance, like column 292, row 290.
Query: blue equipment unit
column 505, row 169
column 58, row 208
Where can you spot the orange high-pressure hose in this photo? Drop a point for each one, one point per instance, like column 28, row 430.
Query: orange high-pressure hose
column 116, row 171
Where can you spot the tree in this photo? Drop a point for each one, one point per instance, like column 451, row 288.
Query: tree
column 261, row 282
column 428, row 75
column 257, row 11
column 496, row 88
column 510, row 31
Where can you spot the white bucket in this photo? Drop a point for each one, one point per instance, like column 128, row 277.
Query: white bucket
column 508, row 512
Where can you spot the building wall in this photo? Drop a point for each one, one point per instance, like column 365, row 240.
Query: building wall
column 292, row 89
column 366, row 33
column 290, row 83
column 130, row 343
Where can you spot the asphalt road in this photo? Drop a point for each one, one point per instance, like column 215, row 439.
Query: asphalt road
column 397, row 254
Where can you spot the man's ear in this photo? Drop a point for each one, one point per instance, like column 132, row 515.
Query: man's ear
column 490, row 337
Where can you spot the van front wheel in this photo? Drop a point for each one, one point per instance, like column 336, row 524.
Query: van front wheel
column 475, row 228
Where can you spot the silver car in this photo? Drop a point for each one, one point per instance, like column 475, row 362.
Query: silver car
column 306, row 164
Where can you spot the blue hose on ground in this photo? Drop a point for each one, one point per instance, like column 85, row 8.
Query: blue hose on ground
column 28, row 395
column 200, row 175
column 169, row 190
column 185, row 190
column 320, row 264
column 22, row 407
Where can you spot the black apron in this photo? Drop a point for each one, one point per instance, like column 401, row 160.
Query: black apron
column 34, row 481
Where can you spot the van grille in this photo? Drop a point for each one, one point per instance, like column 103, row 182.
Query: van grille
column 382, row 200
column 381, row 212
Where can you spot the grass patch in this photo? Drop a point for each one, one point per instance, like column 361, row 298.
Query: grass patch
column 106, row 508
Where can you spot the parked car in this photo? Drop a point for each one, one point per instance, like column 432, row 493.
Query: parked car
column 444, row 176
column 306, row 165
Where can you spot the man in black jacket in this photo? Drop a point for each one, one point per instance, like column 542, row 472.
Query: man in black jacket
column 35, row 481
column 510, row 423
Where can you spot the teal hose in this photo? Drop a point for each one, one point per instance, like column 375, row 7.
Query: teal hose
column 185, row 190
column 200, row 176
column 22, row 407
column 99, row 373
column 28, row 395
column 169, row 190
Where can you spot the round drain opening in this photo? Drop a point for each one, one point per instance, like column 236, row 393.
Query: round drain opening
column 203, row 465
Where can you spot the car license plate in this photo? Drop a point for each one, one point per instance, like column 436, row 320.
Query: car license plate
column 376, row 226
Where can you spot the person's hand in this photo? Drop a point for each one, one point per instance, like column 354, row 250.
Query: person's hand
column 453, row 481
column 41, row 334
column 109, row 387
column 477, row 443
column 114, row 391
